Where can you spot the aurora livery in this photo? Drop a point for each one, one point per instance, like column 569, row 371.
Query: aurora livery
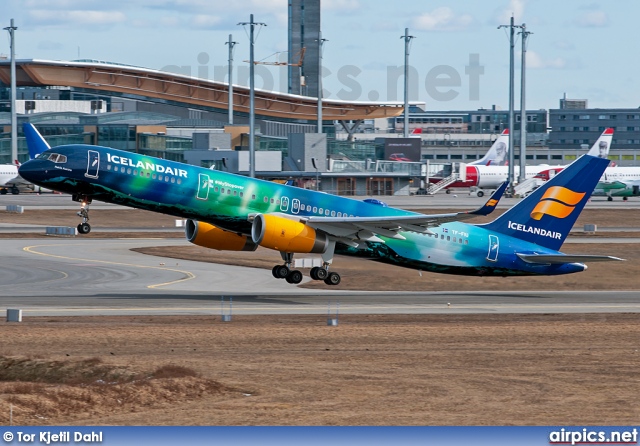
column 236, row 213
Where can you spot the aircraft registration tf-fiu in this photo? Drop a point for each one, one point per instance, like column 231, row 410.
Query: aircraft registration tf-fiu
column 236, row 213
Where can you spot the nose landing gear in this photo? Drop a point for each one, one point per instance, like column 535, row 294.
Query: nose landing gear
column 84, row 227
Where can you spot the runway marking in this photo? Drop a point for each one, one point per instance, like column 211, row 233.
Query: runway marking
column 189, row 275
column 64, row 275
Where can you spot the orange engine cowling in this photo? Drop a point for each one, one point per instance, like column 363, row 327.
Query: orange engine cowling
column 287, row 235
column 210, row 236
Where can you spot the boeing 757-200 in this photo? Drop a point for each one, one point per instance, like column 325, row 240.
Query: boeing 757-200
column 237, row 213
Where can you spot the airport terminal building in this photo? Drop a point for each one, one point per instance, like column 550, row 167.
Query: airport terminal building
column 186, row 119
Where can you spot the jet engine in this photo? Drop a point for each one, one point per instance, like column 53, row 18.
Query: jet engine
column 210, row 236
column 287, row 235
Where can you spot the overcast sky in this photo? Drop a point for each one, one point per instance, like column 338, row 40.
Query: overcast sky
column 459, row 59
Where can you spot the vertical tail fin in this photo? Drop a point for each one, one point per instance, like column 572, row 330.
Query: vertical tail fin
column 602, row 145
column 498, row 153
column 35, row 141
column 547, row 215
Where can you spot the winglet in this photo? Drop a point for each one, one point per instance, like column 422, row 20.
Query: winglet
column 492, row 202
column 35, row 141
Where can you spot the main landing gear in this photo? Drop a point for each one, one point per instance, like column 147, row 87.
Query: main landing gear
column 84, row 227
column 316, row 273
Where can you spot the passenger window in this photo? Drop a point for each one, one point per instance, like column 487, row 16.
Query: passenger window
column 216, row 188
column 129, row 171
column 326, row 212
column 108, row 166
column 339, row 214
column 265, row 199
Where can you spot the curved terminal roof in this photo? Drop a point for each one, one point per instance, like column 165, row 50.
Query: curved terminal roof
column 113, row 77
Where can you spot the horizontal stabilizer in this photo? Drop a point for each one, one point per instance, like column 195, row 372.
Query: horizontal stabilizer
column 564, row 258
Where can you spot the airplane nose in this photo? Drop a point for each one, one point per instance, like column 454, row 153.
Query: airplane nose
column 33, row 171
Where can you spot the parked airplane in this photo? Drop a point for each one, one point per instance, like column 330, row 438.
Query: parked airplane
column 236, row 213
column 10, row 180
column 492, row 170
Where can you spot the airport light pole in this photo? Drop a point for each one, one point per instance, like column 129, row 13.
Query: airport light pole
column 512, row 28
column 407, row 40
column 315, row 166
column 231, row 44
column 321, row 42
column 523, row 110
column 14, row 116
column 252, row 111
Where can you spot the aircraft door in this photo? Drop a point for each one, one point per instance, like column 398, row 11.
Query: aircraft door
column 93, row 164
column 295, row 205
column 636, row 190
column 203, row 187
column 284, row 204
column 492, row 255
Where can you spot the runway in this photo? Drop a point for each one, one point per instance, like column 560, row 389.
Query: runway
column 56, row 277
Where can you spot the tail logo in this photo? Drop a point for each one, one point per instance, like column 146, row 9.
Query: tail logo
column 558, row 202
column 492, row 202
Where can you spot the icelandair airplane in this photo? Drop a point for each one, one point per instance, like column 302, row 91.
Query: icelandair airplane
column 236, row 213
column 493, row 170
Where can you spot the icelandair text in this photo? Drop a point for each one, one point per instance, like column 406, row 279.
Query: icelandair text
column 533, row 230
column 146, row 166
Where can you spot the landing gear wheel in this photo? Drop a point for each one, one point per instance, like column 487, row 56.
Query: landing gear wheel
column 318, row 273
column 15, row 190
column 294, row 277
column 3, row 192
column 609, row 198
column 280, row 271
column 447, row 191
column 84, row 228
column 321, row 274
column 332, row 279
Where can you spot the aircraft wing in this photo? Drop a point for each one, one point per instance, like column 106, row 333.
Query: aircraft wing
column 367, row 228
column 564, row 258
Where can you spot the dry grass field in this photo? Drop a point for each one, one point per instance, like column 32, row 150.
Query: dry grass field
column 573, row 369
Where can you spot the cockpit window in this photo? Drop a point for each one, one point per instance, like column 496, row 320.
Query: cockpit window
column 55, row 157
